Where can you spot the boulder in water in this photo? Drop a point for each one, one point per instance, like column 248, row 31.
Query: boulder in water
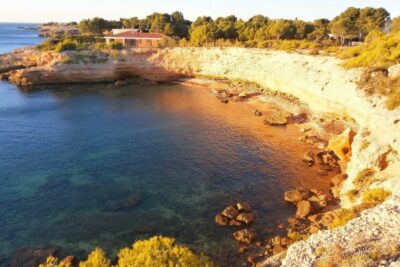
column 246, row 236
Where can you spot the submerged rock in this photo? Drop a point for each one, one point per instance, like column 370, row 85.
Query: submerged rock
column 28, row 257
column 133, row 201
column 246, row 236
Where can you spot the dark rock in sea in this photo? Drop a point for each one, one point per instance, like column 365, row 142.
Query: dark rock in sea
column 121, row 83
column 230, row 212
column 221, row 220
column 246, row 236
column 28, row 257
column 243, row 207
column 245, row 217
column 308, row 158
column 131, row 202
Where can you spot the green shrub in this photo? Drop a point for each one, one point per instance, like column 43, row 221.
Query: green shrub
column 47, row 45
column 96, row 259
column 116, row 46
column 66, row 45
column 379, row 50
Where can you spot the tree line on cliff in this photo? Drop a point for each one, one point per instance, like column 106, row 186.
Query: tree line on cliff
column 352, row 24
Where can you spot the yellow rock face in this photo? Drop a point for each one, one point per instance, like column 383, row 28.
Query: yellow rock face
column 341, row 145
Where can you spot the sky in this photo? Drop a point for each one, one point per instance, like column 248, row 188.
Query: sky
column 75, row 10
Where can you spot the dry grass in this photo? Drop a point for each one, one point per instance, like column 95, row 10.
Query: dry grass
column 370, row 199
column 364, row 178
column 376, row 82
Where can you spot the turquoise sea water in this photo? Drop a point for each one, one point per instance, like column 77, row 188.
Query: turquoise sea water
column 70, row 157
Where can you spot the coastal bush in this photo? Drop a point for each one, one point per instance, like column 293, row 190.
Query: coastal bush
column 374, row 81
column 66, row 45
column 157, row 251
column 379, row 51
column 373, row 197
column 96, row 259
column 370, row 198
column 160, row 251
column 116, row 46
column 47, row 45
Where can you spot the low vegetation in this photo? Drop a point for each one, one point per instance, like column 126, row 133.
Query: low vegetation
column 156, row 251
column 360, row 255
column 379, row 50
column 370, row 199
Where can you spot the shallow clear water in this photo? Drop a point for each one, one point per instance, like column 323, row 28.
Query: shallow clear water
column 71, row 155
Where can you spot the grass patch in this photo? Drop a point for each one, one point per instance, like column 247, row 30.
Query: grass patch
column 370, row 199
column 364, row 178
column 376, row 82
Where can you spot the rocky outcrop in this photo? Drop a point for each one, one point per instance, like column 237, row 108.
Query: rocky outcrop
column 374, row 233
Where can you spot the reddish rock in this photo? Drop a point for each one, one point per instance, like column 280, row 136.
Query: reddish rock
column 308, row 158
column 243, row 207
column 336, row 191
column 221, row 220
column 242, row 250
column 304, row 208
column 246, row 218
column 318, row 203
column 245, row 236
column 338, row 179
column 235, row 223
column 293, row 196
column 230, row 212
column 276, row 240
column 293, row 221
column 277, row 249
column 316, row 219
column 313, row 229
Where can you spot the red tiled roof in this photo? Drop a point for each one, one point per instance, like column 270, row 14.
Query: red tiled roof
column 136, row 35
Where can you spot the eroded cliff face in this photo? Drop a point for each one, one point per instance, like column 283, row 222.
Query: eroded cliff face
column 320, row 82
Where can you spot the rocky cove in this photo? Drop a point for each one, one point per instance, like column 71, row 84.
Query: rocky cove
column 319, row 85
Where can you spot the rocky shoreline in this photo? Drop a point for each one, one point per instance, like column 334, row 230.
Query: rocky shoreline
column 350, row 132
